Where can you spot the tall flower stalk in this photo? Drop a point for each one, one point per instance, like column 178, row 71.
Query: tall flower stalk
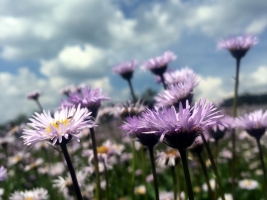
column 35, row 96
column 238, row 47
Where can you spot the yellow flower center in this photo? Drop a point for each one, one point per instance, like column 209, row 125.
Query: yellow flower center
column 56, row 124
column 28, row 198
column 248, row 183
column 102, row 149
column 171, row 152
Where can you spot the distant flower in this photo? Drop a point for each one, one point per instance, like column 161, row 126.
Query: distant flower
column 169, row 157
column 35, row 194
column 34, row 95
column 175, row 94
column 158, row 65
column 248, row 184
column 139, row 190
column 212, row 185
column 87, row 98
column 65, row 124
column 238, row 45
column 254, row 123
column 67, row 90
column 3, row 173
column 227, row 197
column 35, row 164
column 125, row 69
column 129, row 109
column 218, row 130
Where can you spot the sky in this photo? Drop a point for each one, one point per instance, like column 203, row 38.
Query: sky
column 49, row 44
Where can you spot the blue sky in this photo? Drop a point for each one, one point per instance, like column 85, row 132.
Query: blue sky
column 48, row 44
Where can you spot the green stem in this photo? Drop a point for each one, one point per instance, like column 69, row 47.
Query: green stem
column 205, row 174
column 133, row 168
column 233, row 132
column 177, row 169
column 263, row 167
column 98, row 188
column 174, row 182
column 39, row 105
column 213, row 165
column 186, row 174
column 132, row 91
column 152, row 160
column 72, row 172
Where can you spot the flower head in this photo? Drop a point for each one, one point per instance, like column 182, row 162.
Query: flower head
column 238, row 45
column 254, row 123
column 65, row 124
column 158, row 65
column 129, row 109
column 3, row 173
column 125, row 69
column 35, row 194
column 87, row 98
column 169, row 157
column 248, row 184
column 34, row 95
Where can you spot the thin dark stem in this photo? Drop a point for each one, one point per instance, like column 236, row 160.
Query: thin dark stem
column 186, row 174
column 133, row 169
column 205, row 174
column 144, row 170
column 215, row 160
column 174, row 182
column 96, row 163
column 72, row 172
column 39, row 105
column 152, row 160
column 163, row 81
column 213, row 165
column 233, row 132
column 177, row 169
column 132, row 91
column 263, row 167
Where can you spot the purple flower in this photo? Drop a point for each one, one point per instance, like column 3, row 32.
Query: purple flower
column 129, row 109
column 158, row 65
column 66, row 123
column 34, row 95
column 238, row 45
column 254, row 123
column 125, row 69
column 3, row 173
column 87, row 98
column 176, row 93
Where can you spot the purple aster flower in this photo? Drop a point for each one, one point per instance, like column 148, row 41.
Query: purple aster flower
column 238, row 45
column 125, row 69
column 158, row 65
column 222, row 125
column 254, row 123
column 180, row 129
column 34, row 95
column 137, row 127
column 176, row 93
column 66, row 123
column 87, row 98
column 3, row 173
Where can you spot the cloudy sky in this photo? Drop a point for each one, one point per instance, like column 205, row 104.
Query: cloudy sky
column 49, row 44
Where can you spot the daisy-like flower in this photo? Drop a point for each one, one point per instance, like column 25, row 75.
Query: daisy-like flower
column 3, row 173
column 140, row 190
column 218, row 130
column 212, row 185
column 86, row 98
column 248, row 184
column 158, row 65
column 254, row 123
column 35, row 194
column 66, row 123
column 125, row 69
column 34, row 95
column 227, row 197
column 175, row 94
column 169, row 157
column 129, row 109
column 238, row 45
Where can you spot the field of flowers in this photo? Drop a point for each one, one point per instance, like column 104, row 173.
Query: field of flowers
column 173, row 148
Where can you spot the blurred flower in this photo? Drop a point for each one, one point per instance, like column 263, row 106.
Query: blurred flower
column 67, row 90
column 35, row 194
column 34, row 164
column 65, row 124
column 254, row 123
column 227, row 197
column 3, row 173
column 140, row 190
column 248, row 184
column 169, row 157
column 238, row 45
column 212, row 185
column 125, row 69
column 158, row 65
column 129, row 109
column 13, row 160
column 86, row 98
column 34, row 95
